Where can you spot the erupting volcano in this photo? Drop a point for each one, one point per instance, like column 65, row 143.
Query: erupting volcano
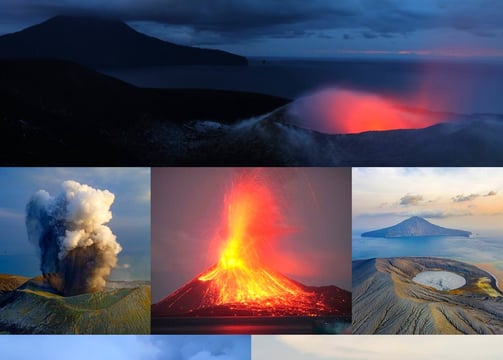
column 242, row 281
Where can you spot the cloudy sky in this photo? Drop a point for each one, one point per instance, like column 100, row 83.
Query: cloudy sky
column 130, row 211
column 317, row 28
column 463, row 198
column 187, row 209
column 127, row 347
column 383, row 347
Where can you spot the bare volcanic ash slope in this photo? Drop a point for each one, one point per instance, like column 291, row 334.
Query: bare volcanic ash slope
column 386, row 299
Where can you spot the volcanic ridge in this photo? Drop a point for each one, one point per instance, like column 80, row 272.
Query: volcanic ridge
column 415, row 227
column 34, row 307
column 387, row 299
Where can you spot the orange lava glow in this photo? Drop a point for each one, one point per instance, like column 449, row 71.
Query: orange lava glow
column 252, row 218
column 342, row 111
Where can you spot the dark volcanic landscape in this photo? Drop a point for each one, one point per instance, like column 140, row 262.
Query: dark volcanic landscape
column 55, row 108
column 53, row 112
column 386, row 300
column 29, row 306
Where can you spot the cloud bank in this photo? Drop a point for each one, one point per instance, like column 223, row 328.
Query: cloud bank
column 227, row 21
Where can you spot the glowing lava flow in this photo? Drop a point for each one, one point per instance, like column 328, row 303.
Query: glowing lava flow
column 253, row 217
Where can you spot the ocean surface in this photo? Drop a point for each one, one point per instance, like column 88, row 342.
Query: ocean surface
column 455, row 87
column 475, row 249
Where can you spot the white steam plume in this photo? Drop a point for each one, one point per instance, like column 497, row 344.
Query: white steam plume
column 77, row 250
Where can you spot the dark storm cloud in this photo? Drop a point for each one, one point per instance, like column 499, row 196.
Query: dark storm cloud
column 411, row 199
column 237, row 20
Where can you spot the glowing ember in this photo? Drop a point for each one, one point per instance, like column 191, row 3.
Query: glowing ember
column 252, row 218
column 341, row 111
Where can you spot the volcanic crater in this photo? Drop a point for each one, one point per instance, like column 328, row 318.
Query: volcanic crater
column 387, row 299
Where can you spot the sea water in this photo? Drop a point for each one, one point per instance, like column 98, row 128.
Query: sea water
column 478, row 249
column 460, row 87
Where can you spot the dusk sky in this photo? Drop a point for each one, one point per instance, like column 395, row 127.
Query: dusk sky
column 127, row 347
column 382, row 347
column 463, row 198
column 187, row 209
column 298, row 28
column 130, row 215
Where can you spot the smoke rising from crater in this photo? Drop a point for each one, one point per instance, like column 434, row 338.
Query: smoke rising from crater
column 77, row 251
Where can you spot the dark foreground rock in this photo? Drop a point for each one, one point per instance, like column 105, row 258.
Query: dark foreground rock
column 61, row 113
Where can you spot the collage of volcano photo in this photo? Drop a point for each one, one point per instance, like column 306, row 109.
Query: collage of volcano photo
column 251, row 179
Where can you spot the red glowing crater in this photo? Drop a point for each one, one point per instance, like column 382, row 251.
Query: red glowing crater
column 342, row 111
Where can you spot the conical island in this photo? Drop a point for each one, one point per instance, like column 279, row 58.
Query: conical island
column 415, row 227
column 105, row 43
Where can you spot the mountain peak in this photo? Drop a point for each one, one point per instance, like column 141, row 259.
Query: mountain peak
column 415, row 226
column 218, row 292
column 102, row 42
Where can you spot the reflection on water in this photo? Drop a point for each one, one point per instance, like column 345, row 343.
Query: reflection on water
column 252, row 325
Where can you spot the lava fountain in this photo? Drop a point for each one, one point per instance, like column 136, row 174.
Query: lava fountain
column 252, row 218
column 240, row 283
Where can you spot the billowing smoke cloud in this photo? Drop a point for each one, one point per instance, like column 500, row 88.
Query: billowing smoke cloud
column 77, row 251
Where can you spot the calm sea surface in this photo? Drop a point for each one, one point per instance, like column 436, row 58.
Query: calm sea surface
column 457, row 87
column 473, row 249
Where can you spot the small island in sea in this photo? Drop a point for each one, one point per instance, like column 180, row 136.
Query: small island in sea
column 414, row 227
